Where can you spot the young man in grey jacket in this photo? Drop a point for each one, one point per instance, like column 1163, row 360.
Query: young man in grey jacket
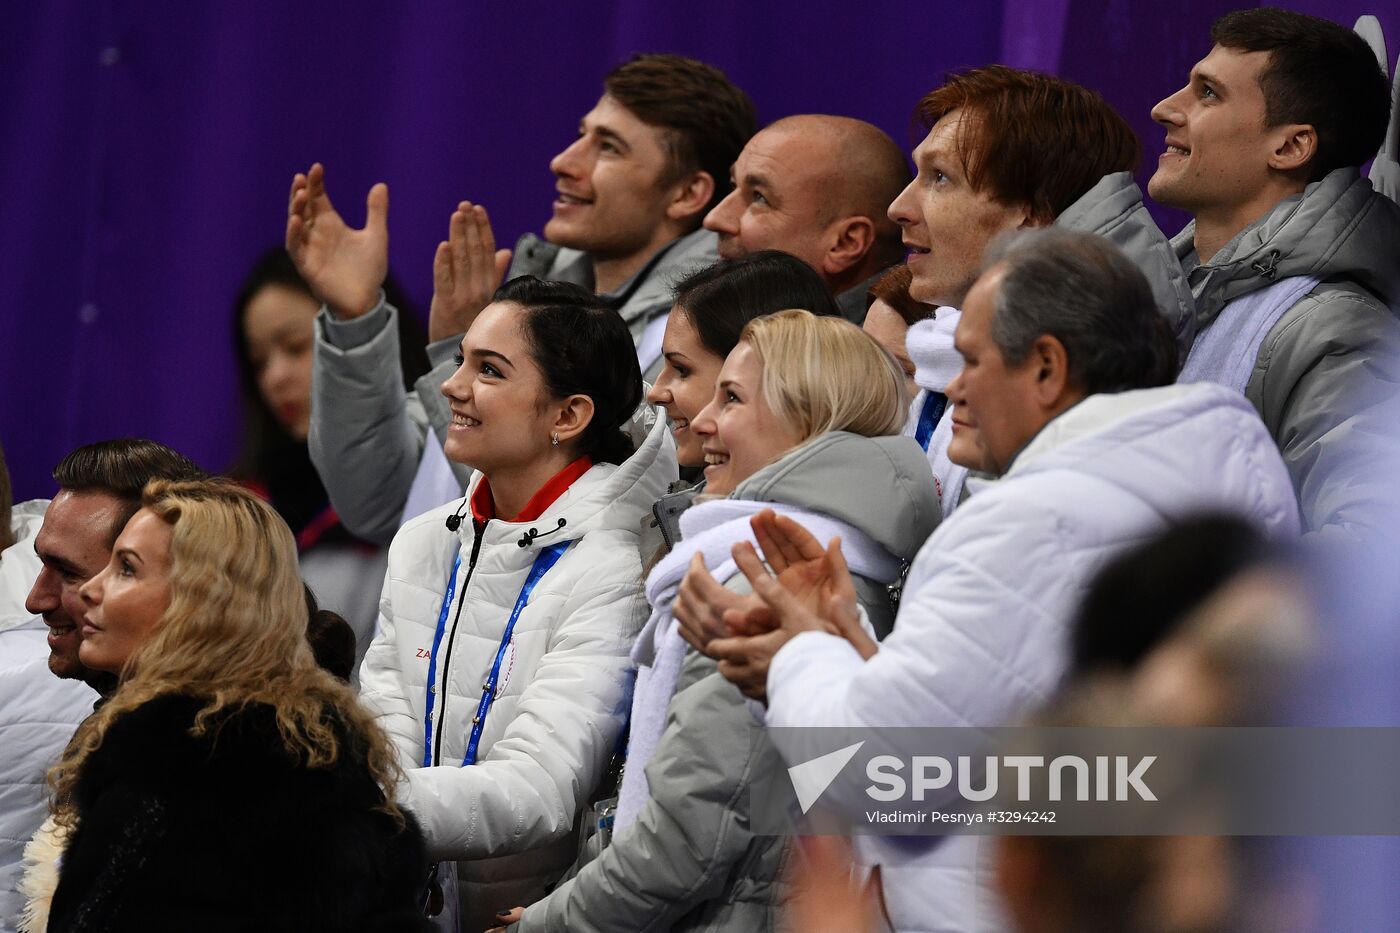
column 651, row 158
column 1293, row 259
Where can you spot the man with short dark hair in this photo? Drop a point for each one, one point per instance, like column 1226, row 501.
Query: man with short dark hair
column 99, row 490
column 1007, row 150
column 1293, row 259
column 817, row 187
column 651, row 158
column 1064, row 351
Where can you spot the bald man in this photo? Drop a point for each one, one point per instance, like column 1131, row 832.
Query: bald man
column 818, row 187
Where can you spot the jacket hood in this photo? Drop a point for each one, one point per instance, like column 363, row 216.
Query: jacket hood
column 881, row 485
column 1338, row 228
column 1158, row 445
column 1113, row 209
column 607, row 496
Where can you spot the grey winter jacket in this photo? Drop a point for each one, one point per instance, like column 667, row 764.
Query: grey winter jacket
column 645, row 297
column 690, row 861
column 1327, row 378
column 1113, row 209
column 367, row 435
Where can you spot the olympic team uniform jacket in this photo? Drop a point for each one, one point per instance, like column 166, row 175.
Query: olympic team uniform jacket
column 982, row 634
column 565, row 677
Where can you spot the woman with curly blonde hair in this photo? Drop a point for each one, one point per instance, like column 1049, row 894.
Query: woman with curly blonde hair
column 229, row 783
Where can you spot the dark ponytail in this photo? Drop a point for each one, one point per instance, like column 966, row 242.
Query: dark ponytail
column 582, row 347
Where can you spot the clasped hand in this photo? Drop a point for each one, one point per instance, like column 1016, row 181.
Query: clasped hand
column 803, row 588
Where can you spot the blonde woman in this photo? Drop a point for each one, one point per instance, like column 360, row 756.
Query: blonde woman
column 805, row 419
column 229, row 783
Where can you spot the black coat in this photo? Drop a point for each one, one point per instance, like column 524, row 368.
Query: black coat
column 231, row 833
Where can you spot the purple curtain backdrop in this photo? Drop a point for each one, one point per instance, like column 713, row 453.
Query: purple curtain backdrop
column 146, row 150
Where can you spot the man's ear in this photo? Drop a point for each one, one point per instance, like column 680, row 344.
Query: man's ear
column 575, row 413
column 850, row 239
column 1294, row 147
column 691, row 196
column 1051, row 361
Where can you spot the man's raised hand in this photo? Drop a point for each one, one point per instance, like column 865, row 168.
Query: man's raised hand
column 345, row 267
column 467, row 270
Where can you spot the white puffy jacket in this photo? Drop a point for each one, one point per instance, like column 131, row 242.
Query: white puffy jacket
column 565, row 682
column 981, row 636
column 38, row 711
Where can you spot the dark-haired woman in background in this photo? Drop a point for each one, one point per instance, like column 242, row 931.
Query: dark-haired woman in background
column 274, row 321
column 500, row 668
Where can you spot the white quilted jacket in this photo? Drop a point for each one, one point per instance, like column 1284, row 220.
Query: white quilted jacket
column 565, row 682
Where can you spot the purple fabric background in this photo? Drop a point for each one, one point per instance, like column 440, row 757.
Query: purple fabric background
column 146, row 150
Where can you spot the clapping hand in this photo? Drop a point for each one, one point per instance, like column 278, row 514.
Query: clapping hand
column 345, row 267
column 702, row 602
column 467, row 270
column 811, row 591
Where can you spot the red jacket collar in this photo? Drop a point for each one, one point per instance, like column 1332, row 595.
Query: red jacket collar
column 484, row 507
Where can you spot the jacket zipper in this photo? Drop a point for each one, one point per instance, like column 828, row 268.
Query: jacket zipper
column 478, row 530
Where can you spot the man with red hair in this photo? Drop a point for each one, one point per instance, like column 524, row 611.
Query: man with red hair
column 1009, row 149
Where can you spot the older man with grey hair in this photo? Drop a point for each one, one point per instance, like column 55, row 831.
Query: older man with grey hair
column 1063, row 396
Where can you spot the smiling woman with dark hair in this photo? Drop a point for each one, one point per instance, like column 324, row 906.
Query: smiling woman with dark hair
column 500, row 667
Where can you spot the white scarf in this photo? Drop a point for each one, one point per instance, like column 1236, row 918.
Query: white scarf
column 711, row 529
column 1226, row 351
column 930, row 347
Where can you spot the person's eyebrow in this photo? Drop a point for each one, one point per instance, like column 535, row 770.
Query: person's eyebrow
column 50, row 559
column 492, row 354
column 612, row 135
column 1205, row 77
column 128, row 552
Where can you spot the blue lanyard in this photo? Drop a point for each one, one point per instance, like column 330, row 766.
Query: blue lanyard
column 933, row 409
column 547, row 558
column 432, row 660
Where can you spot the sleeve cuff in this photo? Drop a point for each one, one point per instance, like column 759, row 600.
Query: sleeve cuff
column 810, row 662
column 356, row 332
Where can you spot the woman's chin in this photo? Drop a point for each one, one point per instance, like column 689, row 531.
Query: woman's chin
column 459, row 450
column 691, row 459
column 718, row 480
